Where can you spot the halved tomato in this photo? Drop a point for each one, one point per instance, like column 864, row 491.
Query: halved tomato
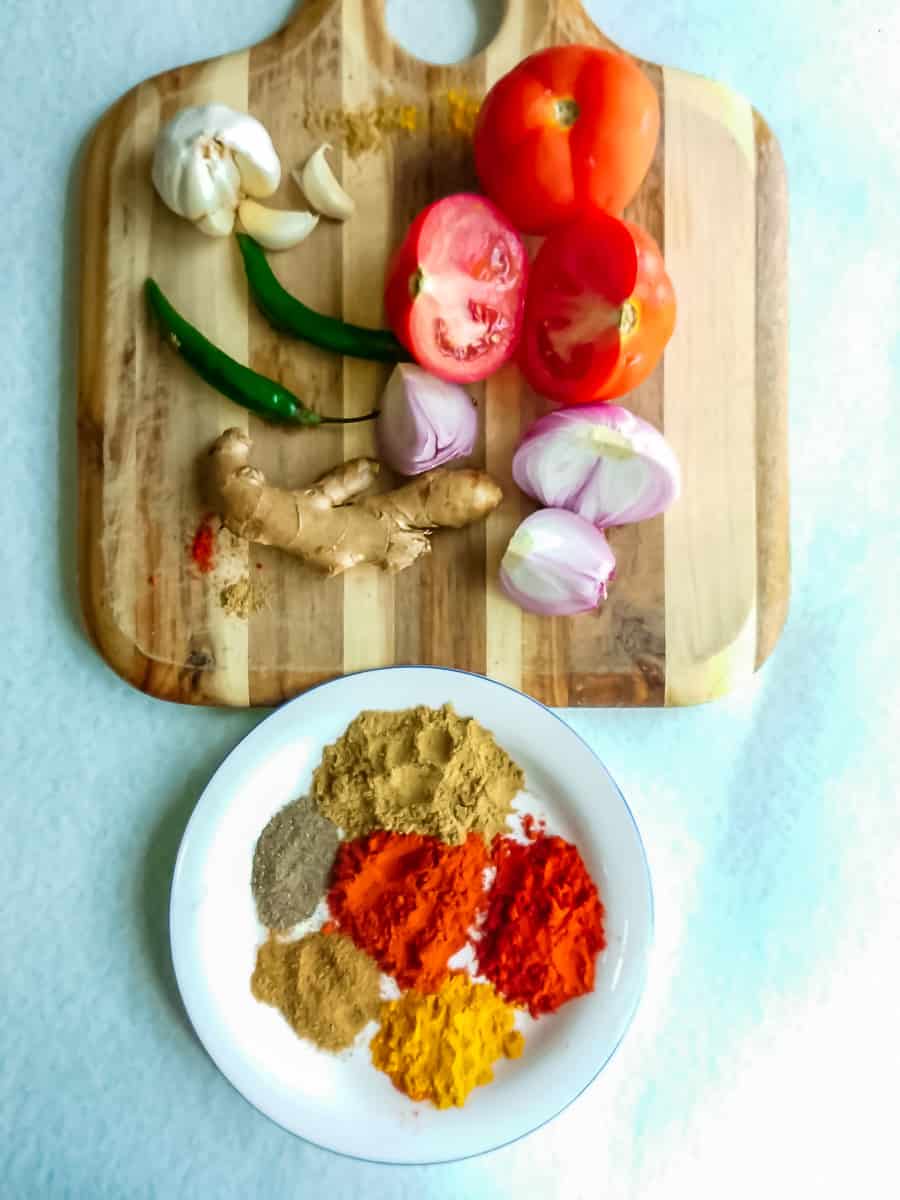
column 455, row 290
column 600, row 311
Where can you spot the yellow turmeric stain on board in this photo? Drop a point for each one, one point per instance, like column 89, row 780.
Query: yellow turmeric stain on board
column 462, row 111
column 362, row 129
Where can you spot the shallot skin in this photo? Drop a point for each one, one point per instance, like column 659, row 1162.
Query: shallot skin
column 557, row 564
column 424, row 421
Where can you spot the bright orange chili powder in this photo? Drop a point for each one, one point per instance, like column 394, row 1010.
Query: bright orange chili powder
column 544, row 925
column 409, row 901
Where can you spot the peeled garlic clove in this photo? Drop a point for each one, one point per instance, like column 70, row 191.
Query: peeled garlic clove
column 275, row 228
column 322, row 189
column 219, row 223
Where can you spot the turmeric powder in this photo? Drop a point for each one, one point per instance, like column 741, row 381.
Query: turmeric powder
column 440, row 1047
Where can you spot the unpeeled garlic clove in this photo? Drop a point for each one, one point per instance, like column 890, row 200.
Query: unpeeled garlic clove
column 217, row 224
column 321, row 188
column 276, row 228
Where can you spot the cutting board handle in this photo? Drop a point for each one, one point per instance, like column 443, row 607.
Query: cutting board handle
column 571, row 20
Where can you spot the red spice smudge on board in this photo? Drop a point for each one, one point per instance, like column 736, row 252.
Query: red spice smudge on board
column 203, row 546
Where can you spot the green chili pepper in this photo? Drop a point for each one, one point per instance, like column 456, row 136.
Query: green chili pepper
column 245, row 387
column 289, row 315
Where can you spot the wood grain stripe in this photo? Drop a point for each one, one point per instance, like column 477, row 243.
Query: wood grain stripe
column 508, row 409
column 503, row 619
column 122, row 407
column 772, row 460
column 403, row 78
column 208, row 286
column 302, row 630
column 368, row 591
column 710, row 398
column 618, row 654
column 94, row 386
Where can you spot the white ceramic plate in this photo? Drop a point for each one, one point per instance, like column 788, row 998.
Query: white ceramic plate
column 341, row 1102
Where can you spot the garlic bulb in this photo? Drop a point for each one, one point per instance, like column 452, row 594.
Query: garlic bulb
column 209, row 156
column 322, row 189
column 275, row 228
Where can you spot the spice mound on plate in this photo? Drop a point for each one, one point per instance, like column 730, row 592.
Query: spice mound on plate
column 440, row 1047
column 418, row 770
column 409, row 901
column 326, row 988
column 291, row 864
column 544, row 924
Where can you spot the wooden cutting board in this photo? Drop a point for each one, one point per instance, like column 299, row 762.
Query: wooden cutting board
column 701, row 594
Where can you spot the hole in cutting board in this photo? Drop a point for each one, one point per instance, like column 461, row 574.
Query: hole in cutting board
column 444, row 31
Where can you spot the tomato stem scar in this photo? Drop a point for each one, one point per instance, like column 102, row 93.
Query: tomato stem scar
column 629, row 317
column 567, row 111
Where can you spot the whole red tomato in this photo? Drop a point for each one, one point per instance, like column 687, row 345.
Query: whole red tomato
column 599, row 313
column 455, row 289
column 570, row 130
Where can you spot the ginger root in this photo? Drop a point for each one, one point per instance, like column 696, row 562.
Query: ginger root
column 330, row 529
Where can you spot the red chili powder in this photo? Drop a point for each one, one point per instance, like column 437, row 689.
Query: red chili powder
column 409, row 901
column 533, row 826
column 544, row 924
column 203, row 547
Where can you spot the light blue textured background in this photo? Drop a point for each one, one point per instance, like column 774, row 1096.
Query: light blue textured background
column 764, row 1059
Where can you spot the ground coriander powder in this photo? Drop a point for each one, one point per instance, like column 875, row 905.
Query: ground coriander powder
column 417, row 770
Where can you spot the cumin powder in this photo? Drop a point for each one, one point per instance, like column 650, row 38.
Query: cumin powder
column 326, row 989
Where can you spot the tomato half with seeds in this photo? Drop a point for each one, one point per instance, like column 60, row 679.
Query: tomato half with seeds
column 570, row 130
column 600, row 311
column 455, row 292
